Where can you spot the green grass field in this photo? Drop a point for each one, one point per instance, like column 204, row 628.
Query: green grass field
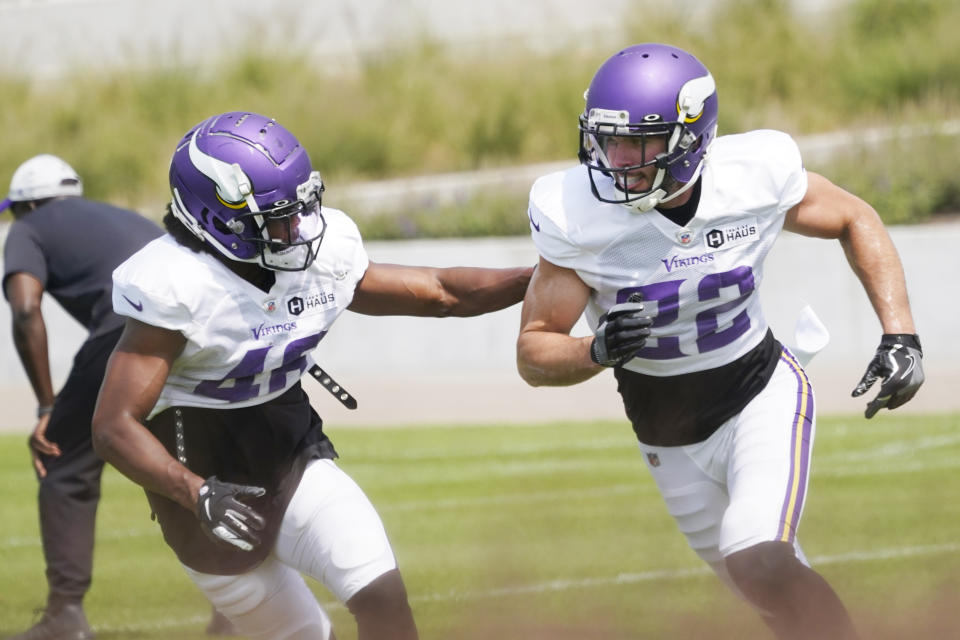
column 553, row 531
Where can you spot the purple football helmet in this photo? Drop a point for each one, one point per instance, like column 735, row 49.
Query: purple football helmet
column 244, row 184
column 642, row 91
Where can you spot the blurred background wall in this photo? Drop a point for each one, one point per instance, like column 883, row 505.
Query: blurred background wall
column 49, row 36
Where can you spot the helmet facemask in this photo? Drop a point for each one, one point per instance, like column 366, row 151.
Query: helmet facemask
column 601, row 128
column 288, row 234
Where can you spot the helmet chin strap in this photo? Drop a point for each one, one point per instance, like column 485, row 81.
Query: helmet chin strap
column 649, row 201
column 659, row 196
column 652, row 199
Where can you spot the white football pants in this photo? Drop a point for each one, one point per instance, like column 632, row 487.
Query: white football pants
column 747, row 482
column 330, row 532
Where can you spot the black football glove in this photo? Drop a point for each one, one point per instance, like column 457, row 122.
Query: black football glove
column 224, row 518
column 622, row 332
column 898, row 361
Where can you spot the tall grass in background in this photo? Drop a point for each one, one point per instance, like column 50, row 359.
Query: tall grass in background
column 427, row 109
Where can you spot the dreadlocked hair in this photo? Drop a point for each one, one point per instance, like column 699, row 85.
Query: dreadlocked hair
column 183, row 235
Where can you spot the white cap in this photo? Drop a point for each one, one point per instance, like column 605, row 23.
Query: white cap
column 43, row 176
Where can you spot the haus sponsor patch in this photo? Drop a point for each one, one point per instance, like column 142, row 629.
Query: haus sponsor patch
column 731, row 235
column 310, row 303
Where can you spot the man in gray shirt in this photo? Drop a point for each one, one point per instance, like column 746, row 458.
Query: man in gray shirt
column 67, row 246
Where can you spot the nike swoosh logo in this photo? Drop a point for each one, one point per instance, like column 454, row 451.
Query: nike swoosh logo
column 913, row 363
column 136, row 305
column 532, row 222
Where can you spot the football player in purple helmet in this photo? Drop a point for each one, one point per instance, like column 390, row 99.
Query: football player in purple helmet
column 202, row 403
column 245, row 186
column 659, row 238
column 650, row 117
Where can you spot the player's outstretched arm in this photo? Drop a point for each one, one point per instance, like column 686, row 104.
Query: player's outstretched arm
column 546, row 352
column 390, row 289
column 134, row 379
column 827, row 211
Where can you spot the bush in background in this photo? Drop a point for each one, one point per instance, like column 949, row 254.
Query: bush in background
column 420, row 111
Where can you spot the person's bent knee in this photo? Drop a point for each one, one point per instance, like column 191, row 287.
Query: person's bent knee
column 382, row 611
column 760, row 570
column 385, row 593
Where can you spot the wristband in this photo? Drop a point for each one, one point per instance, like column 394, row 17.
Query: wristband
column 44, row 410
column 906, row 339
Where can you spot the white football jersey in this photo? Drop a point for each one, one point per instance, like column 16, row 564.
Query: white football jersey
column 699, row 281
column 244, row 345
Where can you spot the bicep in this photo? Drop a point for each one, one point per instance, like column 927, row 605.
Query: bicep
column 392, row 289
column 138, row 369
column 24, row 292
column 554, row 300
column 826, row 210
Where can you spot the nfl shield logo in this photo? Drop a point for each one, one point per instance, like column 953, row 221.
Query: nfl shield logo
column 653, row 459
column 684, row 236
column 270, row 306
